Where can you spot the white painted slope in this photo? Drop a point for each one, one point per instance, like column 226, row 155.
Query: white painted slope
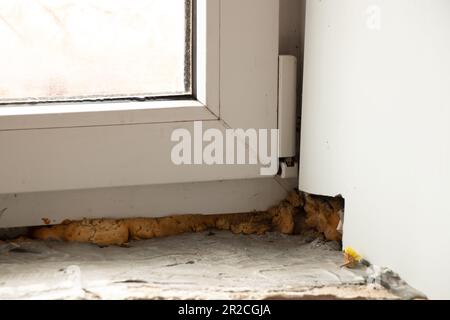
column 376, row 129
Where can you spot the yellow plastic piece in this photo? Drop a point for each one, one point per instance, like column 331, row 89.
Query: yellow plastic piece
column 352, row 258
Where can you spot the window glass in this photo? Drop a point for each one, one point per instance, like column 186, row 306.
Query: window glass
column 64, row 50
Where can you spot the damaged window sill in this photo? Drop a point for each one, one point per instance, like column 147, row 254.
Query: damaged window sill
column 207, row 265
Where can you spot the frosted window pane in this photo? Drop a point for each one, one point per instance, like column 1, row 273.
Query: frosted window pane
column 93, row 49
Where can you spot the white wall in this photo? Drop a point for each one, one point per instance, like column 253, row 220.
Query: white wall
column 376, row 128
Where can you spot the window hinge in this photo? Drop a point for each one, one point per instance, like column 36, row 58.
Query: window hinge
column 287, row 116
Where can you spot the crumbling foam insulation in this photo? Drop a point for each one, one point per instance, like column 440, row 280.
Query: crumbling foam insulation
column 298, row 213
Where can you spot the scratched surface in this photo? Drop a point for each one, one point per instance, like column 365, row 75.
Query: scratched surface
column 205, row 265
column 70, row 49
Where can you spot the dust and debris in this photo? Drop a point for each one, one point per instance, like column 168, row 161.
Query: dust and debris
column 393, row 283
column 46, row 221
column 325, row 245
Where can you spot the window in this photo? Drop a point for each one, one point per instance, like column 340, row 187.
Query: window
column 69, row 145
column 71, row 50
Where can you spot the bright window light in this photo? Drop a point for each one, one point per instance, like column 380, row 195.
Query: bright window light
column 74, row 50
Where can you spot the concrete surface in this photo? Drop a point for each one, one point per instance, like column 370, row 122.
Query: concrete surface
column 206, row 265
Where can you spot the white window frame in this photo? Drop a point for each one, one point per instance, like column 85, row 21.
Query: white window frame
column 204, row 105
column 71, row 146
